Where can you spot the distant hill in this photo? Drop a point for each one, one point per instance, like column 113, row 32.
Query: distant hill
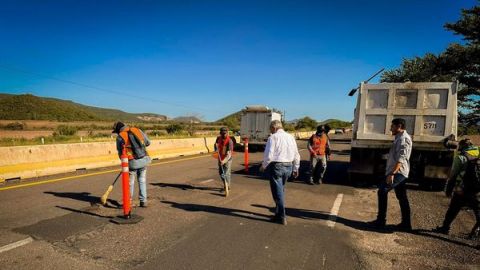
column 236, row 116
column 187, row 119
column 30, row 107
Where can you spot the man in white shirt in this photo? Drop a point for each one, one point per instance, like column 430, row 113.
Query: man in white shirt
column 280, row 160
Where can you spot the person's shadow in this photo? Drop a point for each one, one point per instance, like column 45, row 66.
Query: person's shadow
column 83, row 196
column 312, row 214
column 219, row 210
column 187, row 186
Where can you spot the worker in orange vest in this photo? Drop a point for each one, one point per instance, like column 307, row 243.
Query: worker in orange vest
column 135, row 142
column 319, row 148
column 224, row 146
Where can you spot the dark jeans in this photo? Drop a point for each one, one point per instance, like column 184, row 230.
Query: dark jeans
column 459, row 201
column 279, row 173
column 399, row 185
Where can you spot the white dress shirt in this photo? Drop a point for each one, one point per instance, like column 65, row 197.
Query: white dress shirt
column 281, row 147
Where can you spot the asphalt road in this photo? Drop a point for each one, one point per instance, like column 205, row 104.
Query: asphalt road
column 189, row 224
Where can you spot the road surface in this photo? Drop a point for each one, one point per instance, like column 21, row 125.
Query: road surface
column 189, row 224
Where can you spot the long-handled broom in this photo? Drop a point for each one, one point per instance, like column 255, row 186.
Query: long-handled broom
column 223, row 176
column 104, row 197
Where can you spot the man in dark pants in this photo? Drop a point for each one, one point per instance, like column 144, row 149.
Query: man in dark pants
column 281, row 159
column 398, row 168
column 465, row 193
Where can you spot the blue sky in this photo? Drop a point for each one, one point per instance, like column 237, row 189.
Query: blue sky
column 211, row 58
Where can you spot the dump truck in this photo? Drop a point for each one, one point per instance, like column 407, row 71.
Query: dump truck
column 255, row 124
column 430, row 112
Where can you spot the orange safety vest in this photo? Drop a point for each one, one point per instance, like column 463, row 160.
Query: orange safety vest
column 126, row 140
column 318, row 144
column 222, row 146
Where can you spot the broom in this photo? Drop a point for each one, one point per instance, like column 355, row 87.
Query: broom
column 223, row 177
column 104, row 197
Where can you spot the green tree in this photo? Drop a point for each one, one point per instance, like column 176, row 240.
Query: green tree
column 232, row 123
column 174, row 128
column 306, row 123
column 458, row 62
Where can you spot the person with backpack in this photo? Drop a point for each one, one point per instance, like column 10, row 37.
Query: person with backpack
column 224, row 146
column 319, row 148
column 464, row 183
column 135, row 142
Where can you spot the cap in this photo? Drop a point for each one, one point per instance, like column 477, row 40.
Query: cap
column 117, row 127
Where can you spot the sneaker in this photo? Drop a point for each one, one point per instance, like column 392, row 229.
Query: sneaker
column 404, row 227
column 143, row 204
column 310, row 181
column 279, row 220
column 441, row 229
column 378, row 224
column 274, row 218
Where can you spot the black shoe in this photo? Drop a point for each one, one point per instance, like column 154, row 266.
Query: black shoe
column 377, row 224
column 441, row 229
column 404, row 227
column 279, row 220
column 274, row 218
column 143, row 204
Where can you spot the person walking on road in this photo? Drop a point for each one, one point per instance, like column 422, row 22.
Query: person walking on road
column 464, row 183
column 224, row 146
column 397, row 170
column 319, row 148
column 280, row 160
column 135, row 142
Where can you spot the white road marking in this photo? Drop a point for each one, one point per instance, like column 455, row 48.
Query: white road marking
column 207, row 181
column 16, row 244
column 334, row 212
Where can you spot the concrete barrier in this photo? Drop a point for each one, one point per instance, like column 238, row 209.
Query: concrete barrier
column 303, row 135
column 21, row 162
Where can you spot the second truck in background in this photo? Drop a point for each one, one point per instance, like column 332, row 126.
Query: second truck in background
column 255, row 124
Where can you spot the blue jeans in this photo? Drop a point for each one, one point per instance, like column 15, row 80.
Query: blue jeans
column 141, row 175
column 225, row 172
column 318, row 167
column 279, row 173
column 399, row 185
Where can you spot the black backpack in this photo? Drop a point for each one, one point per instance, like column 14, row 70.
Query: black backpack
column 138, row 147
column 471, row 179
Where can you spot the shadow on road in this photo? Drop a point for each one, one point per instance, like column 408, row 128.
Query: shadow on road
column 83, row 196
column 430, row 234
column 312, row 214
column 337, row 173
column 219, row 210
column 83, row 212
column 187, row 186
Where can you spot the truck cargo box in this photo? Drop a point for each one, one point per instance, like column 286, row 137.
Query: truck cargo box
column 430, row 112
